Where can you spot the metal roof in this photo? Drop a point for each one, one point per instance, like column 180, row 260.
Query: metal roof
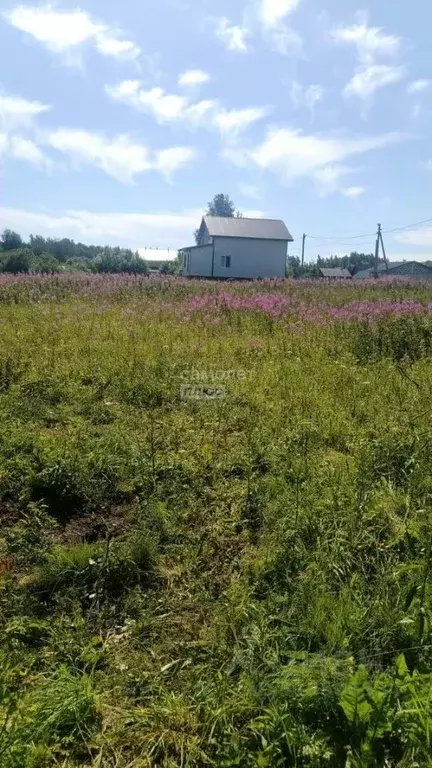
column 364, row 274
column 335, row 272
column 259, row 229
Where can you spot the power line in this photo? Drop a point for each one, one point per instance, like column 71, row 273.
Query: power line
column 345, row 246
column 408, row 226
column 353, row 237
column 351, row 245
column 370, row 234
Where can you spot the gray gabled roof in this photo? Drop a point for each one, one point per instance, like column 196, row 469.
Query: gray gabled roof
column 364, row 274
column 259, row 229
column 335, row 272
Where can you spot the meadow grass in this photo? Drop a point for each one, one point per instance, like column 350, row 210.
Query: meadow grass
column 190, row 580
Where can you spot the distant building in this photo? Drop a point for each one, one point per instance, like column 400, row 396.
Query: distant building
column 412, row 269
column 238, row 248
column 159, row 255
column 336, row 273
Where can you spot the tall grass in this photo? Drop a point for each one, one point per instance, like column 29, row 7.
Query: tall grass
column 239, row 581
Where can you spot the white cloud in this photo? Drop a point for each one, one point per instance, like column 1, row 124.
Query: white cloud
column 17, row 115
column 233, row 37
column 164, row 106
column 253, row 213
column 354, row 192
column 170, row 160
column 65, row 32
column 25, row 149
column 270, row 15
column 371, row 42
column 171, row 108
column 293, row 155
column 266, row 17
column 370, row 79
column 119, row 156
column 58, row 30
column 313, row 95
column 136, row 230
column 271, row 12
column 117, row 48
column 418, row 86
column 234, row 121
column 17, row 112
column 193, row 77
column 328, row 179
column 308, row 97
column 250, row 190
column 20, row 148
column 422, row 236
column 285, row 40
column 373, row 45
column 201, row 112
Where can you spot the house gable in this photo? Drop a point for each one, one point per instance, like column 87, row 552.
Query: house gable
column 203, row 233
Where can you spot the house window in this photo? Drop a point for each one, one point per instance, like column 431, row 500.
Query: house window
column 226, row 262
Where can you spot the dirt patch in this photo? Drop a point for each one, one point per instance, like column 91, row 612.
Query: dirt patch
column 10, row 514
column 112, row 522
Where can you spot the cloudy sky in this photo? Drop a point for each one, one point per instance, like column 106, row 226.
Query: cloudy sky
column 119, row 121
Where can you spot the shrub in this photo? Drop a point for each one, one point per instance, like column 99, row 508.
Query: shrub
column 17, row 261
column 94, row 571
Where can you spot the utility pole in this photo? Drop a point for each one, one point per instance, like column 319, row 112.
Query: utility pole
column 383, row 250
column 377, row 246
column 303, row 250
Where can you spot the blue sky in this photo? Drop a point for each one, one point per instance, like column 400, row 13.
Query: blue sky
column 118, row 122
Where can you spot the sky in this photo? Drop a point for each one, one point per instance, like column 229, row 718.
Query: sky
column 120, row 121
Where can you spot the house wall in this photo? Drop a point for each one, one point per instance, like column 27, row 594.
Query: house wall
column 199, row 260
column 250, row 258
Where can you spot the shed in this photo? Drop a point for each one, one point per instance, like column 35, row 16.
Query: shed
column 336, row 273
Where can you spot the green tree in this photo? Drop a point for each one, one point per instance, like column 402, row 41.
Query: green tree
column 10, row 241
column 45, row 264
column 38, row 244
column 293, row 267
column 17, row 261
column 221, row 205
column 168, row 268
column 121, row 262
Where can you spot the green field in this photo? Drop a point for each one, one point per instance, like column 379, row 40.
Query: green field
column 216, row 540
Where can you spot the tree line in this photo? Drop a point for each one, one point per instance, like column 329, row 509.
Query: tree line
column 48, row 255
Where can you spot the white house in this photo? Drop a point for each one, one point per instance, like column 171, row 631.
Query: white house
column 238, row 248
